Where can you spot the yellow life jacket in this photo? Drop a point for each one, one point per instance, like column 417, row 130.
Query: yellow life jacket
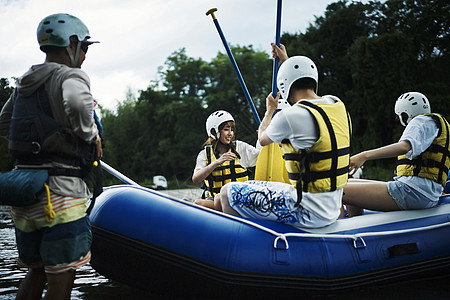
column 325, row 166
column 433, row 163
column 229, row 171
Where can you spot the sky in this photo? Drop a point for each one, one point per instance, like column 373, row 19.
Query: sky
column 137, row 36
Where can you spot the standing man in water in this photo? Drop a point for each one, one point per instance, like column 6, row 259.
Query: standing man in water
column 54, row 244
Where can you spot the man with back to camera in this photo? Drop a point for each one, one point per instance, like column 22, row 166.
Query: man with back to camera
column 54, row 244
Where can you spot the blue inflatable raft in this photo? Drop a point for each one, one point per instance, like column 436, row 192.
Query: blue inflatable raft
column 152, row 241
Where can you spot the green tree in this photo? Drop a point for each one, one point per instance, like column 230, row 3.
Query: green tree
column 162, row 131
column 226, row 93
column 6, row 161
column 369, row 54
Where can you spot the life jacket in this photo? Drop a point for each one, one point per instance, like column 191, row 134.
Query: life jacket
column 36, row 138
column 433, row 163
column 229, row 171
column 325, row 166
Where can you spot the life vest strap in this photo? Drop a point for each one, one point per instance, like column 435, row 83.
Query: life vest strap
column 230, row 176
column 293, row 156
column 318, row 156
column 313, row 176
column 334, row 147
column 428, row 163
column 439, row 149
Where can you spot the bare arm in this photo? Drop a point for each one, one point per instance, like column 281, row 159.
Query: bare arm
column 271, row 106
column 388, row 151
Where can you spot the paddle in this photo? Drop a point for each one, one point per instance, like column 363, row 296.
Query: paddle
column 233, row 62
column 270, row 165
column 117, row 174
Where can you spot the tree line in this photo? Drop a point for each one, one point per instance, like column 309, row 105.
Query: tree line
column 367, row 54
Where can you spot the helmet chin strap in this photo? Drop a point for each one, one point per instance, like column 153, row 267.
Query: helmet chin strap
column 74, row 61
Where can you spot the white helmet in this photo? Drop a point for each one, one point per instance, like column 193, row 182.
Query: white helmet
column 295, row 68
column 215, row 120
column 410, row 105
column 282, row 104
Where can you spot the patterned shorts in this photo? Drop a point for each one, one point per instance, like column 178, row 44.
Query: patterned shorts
column 270, row 200
column 59, row 246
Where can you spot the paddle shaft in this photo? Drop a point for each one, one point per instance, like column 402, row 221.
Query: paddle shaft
column 235, row 66
column 117, row 174
column 274, row 83
column 277, row 42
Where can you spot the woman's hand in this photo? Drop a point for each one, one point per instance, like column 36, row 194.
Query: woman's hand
column 356, row 161
column 227, row 156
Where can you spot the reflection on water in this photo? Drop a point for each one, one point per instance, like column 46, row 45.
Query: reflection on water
column 91, row 285
column 88, row 283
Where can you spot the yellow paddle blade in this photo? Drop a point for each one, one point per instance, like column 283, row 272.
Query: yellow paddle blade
column 270, row 164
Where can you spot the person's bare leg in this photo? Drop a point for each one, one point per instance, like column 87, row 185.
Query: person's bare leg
column 354, row 210
column 224, row 204
column 369, row 194
column 205, row 203
column 32, row 285
column 342, row 213
column 60, row 285
column 217, row 201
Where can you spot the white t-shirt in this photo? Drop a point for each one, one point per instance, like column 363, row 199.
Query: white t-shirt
column 298, row 125
column 421, row 132
column 248, row 153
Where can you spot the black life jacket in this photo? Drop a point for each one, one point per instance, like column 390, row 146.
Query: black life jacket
column 36, row 138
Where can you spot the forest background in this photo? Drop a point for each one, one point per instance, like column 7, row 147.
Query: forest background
column 367, row 55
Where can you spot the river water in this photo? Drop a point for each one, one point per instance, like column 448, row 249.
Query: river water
column 91, row 285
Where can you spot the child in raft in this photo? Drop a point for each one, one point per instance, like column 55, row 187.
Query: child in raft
column 223, row 159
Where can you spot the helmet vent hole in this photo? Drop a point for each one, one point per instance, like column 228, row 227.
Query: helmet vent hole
column 46, row 22
column 296, row 67
column 61, row 21
column 312, row 66
column 424, row 101
column 49, row 31
column 414, row 103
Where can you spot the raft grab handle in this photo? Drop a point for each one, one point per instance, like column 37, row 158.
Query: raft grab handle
column 284, row 239
column 355, row 242
column 353, row 237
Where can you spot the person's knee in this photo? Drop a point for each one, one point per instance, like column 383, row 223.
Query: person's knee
column 221, row 198
column 60, row 285
column 65, row 277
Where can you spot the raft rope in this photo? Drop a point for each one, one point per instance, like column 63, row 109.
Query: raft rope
column 357, row 238
column 358, row 241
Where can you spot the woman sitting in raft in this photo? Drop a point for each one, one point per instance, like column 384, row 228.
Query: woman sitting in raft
column 422, row 164
column 222, row 159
